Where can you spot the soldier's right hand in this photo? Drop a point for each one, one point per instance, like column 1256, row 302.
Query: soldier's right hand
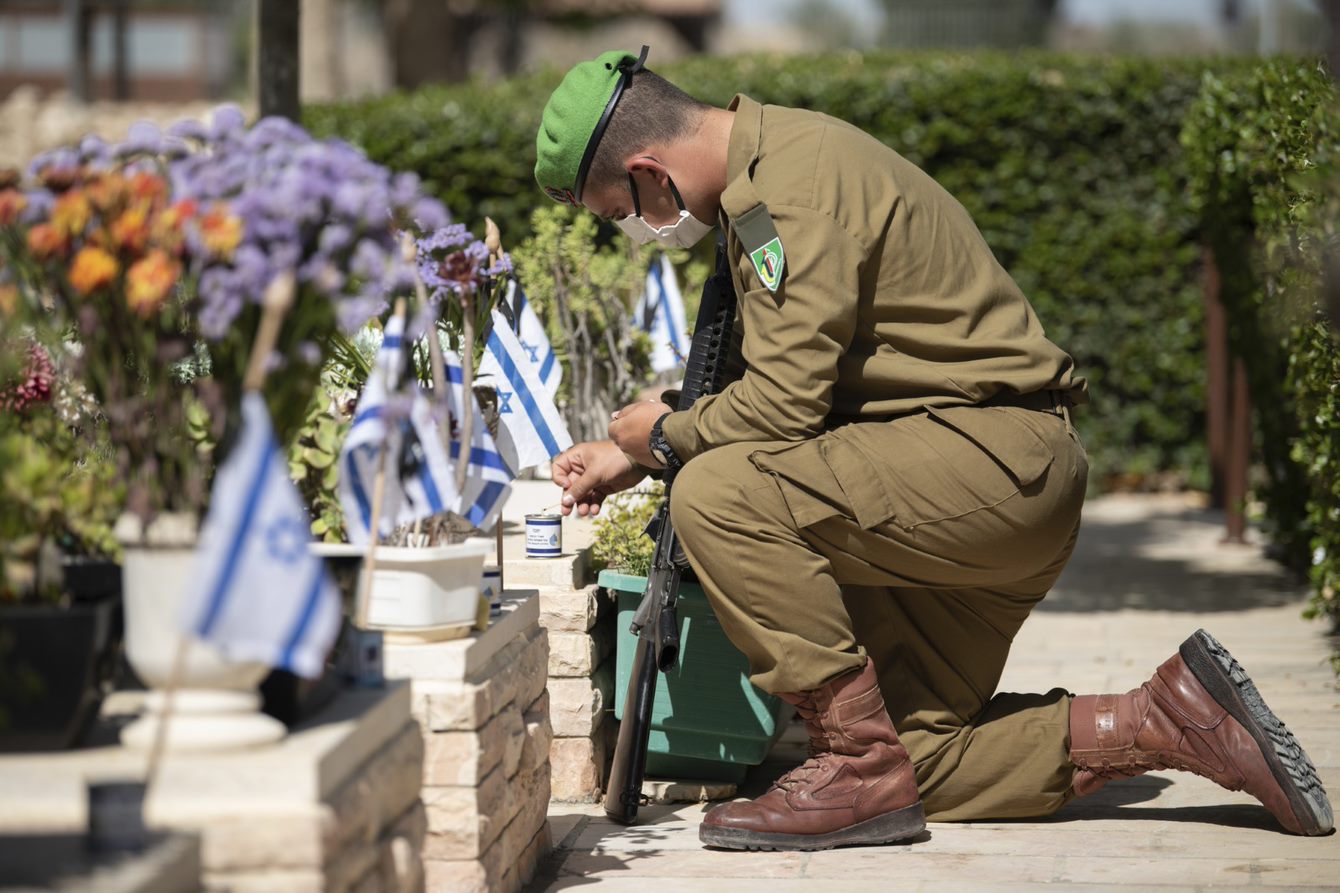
column 588, row 472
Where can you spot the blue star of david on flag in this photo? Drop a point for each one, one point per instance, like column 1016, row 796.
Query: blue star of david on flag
column 530, row 429
column 259, row 593
column 534, row 340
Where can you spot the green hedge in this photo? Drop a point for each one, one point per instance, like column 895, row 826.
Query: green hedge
column 1263, row 149
column 1071, row 167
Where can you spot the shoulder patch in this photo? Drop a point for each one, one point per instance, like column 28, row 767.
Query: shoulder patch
column 759, row 237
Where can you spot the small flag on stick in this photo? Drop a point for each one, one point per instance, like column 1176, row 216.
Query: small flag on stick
column 488, row 477
column 261, row 593
column 660, row 313
column 418, row 480
column 533, row 339
column 530, row 429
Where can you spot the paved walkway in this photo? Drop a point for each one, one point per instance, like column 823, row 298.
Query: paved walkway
column 1147, row 572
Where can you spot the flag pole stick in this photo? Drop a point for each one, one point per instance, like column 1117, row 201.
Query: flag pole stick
column 493, row 239
column 278, row 300
column 435, row 360
column 378, row 493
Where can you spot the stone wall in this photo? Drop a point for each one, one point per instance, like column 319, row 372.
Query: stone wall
column 484, row 712
column 334, row 807
column 579, row 618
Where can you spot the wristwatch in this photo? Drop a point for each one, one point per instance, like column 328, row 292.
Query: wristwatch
column 661, row 450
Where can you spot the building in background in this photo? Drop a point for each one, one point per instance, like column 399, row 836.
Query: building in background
column 164, row 50
column 188, row 50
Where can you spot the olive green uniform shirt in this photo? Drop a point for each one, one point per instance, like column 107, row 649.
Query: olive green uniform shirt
column 890, row 300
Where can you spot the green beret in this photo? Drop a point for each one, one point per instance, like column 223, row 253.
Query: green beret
column 575, row 119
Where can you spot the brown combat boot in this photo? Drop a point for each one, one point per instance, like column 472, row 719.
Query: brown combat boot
column 1199, row 713
column 857, row 787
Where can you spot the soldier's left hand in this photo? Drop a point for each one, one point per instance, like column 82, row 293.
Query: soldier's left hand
column 630, row 428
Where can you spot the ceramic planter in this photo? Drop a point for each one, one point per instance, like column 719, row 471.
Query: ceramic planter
column 216, row 706
column 429, row 593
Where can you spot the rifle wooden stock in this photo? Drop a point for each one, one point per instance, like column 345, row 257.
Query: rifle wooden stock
column 656, row 622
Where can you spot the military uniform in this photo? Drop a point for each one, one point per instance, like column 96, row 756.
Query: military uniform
column 881, row 438
column 875, row 507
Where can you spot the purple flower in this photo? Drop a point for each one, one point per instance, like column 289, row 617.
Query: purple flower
column 226, row 123
column 369, row 260
column 38, row 208
column 58, row 168
column 92, row 148
column 334, row 238
column 429, row 214
column 353, row 313
column 189, row 129
column 144, row 139
column 220, row 302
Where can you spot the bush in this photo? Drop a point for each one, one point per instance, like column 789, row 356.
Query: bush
column 1071, row 168
column 1263, row 150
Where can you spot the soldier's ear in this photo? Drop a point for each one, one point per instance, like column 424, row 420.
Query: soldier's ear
column 647, row 165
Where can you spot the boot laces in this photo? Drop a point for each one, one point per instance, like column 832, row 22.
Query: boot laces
column 802, row 774
column 819, row 750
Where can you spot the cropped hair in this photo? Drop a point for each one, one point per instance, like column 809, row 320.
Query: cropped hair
column 651, row 111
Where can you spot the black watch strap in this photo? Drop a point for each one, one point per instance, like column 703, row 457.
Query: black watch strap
column 660, row 447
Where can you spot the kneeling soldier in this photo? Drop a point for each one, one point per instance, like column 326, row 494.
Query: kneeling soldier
column 903, row 423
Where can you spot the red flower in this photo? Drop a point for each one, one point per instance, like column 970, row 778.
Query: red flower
column 45, row 242
column 12, row 203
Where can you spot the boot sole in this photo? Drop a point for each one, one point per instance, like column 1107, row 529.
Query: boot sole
column 888, row 828
column 1230, row 686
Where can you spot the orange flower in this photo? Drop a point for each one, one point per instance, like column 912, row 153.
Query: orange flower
column 71, row 213
column 221, row 231
column 9, row 299
column 108, row 192
column 149, row 281
column 12, row 203
column 168, row 224
column 45, row 242
column 130, row 231
column 92, row 269
column 147, row 187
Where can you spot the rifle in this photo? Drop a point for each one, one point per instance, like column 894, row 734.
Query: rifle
column 656, row 621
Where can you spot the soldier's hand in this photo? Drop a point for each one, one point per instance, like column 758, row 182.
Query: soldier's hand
column 588, row 472
column 630, row 429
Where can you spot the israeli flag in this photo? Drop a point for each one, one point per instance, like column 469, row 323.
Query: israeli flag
column 534, row 341
column 660, row 313
column 419, row 482
column 530, row 429
column 488, row 477
column 259, row 593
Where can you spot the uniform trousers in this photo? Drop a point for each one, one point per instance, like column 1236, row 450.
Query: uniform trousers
column 923, row 542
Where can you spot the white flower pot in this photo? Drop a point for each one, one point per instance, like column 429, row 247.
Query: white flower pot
column 429, row 593
column 215, row 705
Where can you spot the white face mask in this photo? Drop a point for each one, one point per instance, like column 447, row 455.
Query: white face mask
column 685, row 232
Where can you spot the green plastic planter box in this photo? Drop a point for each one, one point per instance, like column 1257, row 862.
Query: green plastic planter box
column 708, row 721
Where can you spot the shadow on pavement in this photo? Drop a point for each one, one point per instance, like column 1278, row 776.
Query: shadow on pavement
column 1157, row 555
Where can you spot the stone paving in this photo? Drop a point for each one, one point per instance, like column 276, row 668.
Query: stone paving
column 1147, row 572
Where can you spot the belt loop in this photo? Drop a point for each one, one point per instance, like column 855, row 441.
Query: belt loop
column 1060, row 408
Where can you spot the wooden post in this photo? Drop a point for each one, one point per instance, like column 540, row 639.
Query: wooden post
column 76, row 16
column 1217, row 381
column 120, row 54
column 277, row 77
